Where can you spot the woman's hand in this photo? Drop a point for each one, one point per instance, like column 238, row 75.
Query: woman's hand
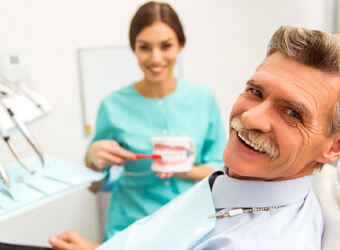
column 71, row 240
column 181, row 175
column 163, row 175
column 104, row 153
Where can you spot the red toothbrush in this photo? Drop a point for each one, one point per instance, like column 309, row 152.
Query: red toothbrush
column 152, row 156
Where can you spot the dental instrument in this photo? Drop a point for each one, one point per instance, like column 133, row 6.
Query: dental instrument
column 10, row 193
column 23, row 128
column 13, row 149
column 4, row 176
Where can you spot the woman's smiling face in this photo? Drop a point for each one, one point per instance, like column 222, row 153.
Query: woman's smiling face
column 156, row 49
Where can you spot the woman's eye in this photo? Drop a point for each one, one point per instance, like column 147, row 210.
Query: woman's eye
column 166, row 45
column 143, row 47
column 293, row 114
column 256, row 92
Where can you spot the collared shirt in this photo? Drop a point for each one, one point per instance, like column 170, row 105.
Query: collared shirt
column 297, row 224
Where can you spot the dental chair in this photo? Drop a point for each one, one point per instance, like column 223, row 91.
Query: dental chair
column 326, row 186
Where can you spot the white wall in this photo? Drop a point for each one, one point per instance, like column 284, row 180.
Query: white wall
column 226, row 40
column 337, row 17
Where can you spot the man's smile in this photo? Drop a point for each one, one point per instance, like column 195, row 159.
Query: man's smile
column 250, row 144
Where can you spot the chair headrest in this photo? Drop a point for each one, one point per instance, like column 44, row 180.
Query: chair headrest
column 326, row 186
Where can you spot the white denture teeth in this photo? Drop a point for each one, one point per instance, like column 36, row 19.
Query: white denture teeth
column 172, row 155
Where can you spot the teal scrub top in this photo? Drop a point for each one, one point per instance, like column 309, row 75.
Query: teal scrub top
column 132, row 119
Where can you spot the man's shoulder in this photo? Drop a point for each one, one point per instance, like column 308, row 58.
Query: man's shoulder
column 179, row 224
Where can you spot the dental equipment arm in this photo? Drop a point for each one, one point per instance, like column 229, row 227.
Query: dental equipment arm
column 15, row 87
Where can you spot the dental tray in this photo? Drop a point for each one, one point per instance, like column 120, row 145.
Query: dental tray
column 27, row 191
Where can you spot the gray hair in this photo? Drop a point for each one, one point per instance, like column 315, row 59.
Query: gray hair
column 314, row 48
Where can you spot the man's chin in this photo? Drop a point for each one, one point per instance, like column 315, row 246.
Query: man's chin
column 246, row 169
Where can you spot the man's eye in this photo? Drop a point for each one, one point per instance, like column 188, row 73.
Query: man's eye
column 293, row 114
column 256, row 92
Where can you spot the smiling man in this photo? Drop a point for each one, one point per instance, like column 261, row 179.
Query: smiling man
column 280, row 124
column 283, row 126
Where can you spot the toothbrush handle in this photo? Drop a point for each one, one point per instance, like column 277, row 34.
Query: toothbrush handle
column 152, row 156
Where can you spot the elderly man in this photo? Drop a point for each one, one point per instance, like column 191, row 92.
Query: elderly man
column 284, row 125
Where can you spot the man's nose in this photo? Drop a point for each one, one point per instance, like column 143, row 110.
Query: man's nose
column 258, row 117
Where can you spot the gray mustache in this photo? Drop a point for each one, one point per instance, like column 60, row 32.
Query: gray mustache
column 258, row 140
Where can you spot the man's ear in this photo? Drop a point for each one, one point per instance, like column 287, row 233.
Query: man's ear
column 332, row 152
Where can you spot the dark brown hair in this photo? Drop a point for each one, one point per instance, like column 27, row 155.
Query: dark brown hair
column 150, row 13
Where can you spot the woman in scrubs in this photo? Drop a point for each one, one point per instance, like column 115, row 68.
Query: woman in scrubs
column 156, row 105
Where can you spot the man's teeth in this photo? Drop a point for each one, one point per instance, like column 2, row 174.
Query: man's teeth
column 256, row 147
column 156, row 69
